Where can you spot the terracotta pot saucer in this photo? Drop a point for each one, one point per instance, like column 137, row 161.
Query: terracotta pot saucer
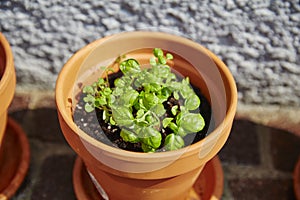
column 297, row 180
column 209, row 184
column 14, row 159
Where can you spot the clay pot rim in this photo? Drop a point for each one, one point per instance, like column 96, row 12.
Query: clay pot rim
column 231, row 109
column 9, row 65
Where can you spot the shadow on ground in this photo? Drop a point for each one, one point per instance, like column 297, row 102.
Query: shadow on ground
column 257, row 160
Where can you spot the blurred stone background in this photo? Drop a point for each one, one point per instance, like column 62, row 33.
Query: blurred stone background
column 258, row 40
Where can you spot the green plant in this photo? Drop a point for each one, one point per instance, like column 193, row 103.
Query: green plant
column 137, row 103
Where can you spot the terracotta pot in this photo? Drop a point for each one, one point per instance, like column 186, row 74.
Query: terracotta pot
column 7, row 81
column 131, row 175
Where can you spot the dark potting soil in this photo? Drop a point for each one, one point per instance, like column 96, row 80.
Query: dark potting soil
column 93, row 124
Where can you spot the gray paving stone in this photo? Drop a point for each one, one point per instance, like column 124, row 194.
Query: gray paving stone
column 55, row 180
column 242, row 147
column 285, row 148
column 262, row 189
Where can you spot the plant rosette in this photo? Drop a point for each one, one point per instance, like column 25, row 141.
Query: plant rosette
column 147, row 104
column 138, row 109
column 7, row 81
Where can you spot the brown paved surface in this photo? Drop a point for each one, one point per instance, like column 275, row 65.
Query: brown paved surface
column 257, row 160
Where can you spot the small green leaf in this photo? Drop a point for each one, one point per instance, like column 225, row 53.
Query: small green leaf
column 140, row 104
column 130, row 66
column 153, row 61
column 107, row 91
column 173, row 127
column 140, row 113
column 147, row 87
column 147, row 149
column 150, row 100
column 166, row 121
column 174, row 110
column 119, row 83
column 89, row 99
column 164, row 71
column 129, row 97
column 150, row 119
column 101, row 81
column 176, row 86
column 170, row 78
column 169, row 56
column 186, row 91
column 176, row 95
column 110, row 100
column 112, row 121
column 186, row 81
column 162, row 60
column 147, row 77
column 104, row 115
column 155, row 87
column 100, row 101
column 141, row 117
column 191, row 122
column 166, row 92
column 88, row 89
column 181, row 132
column 173, row 142
column 122, row 116
column 192, row 102
column 158, row 109
column 185, row 88
column 158, row 52
column 150, row 136
column 118, row 91
column 129, row 136
column 88, row 107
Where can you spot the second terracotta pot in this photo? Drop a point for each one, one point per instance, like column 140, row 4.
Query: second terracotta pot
column 121, row 174
column 7, row 82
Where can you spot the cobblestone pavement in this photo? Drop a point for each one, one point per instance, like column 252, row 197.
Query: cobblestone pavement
column 257, row 160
